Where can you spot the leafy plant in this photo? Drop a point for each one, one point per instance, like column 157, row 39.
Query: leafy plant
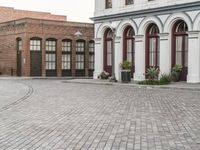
column 152, row 73
column 176, row 72
column 126, row 65
column 165, row 79
column 177, row 68
column 149, row 82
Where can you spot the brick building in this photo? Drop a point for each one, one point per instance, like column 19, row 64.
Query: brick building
column 42, row 44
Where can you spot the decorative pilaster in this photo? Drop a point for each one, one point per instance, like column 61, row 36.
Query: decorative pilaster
column 98, row 57
column 118, row 57
column 165, row 53
column 193, row 57
column 139, row 58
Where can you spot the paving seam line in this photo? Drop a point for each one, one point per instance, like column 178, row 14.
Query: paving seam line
column 18, row 101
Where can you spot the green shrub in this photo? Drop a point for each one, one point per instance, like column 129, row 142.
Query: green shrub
column 126, row 65
column 165, row 79
column 176, row 73
column 152, row 73
column 149, row 82
column 177, row 68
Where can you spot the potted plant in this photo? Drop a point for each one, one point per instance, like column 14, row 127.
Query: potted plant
column 176, row 72
column 126, row 71
column 152, row 73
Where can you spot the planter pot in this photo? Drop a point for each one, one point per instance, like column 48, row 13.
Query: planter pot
column 176, row 76
column 126, row 76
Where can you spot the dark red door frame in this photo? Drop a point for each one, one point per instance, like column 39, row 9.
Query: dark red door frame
column 183, row 48
column 147, row 45
column 107, row 68
column 125, row 39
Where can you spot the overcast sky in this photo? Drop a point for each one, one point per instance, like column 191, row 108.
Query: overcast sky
column 75, row 10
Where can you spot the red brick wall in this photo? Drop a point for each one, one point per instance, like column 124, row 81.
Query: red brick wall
column 8, row 14
column 29, row 28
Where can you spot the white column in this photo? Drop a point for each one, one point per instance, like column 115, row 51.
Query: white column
column 98, row 57
column 139, row 58
column 193, row 57
column 165, row 54
column 118, row 57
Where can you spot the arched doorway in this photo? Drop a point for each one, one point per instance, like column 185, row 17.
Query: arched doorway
column 180, row 47
column 108, row 42
column 152, row 46
column 128, row 47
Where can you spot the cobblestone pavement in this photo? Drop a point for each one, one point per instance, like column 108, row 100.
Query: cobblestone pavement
column 59, row 116
column 11, row 93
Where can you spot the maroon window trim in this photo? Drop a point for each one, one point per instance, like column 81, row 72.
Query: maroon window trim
column 125, row 40
column 174, row 35
column 184, row 35
column 157, row 52
column 107, row 67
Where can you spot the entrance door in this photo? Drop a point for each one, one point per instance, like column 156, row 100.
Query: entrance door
column 35, row 64
column 19, row 65
column 128, row 53
column 35, row 58
column 182, row 54
column 180, row 47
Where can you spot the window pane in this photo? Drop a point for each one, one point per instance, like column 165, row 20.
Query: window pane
column 91, row 47
column 35, row 45
column 108, row 3
column 66, row 46
column 80, row 46
column 179, row 43
column 50, row 45
column 66, row 61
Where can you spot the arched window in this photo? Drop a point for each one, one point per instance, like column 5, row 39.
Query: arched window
column 51, row 57
column 80, row 58
column 91, row 58
column 66, row 57
column 129, row 51
column 180, row 46
column 108, row 42
column 152, row 46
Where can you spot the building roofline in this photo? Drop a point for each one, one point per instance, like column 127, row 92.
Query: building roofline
column 27, row 20
column 144, row 12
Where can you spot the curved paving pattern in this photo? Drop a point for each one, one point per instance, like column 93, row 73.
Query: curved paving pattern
column 79, row 116
column 12, row 93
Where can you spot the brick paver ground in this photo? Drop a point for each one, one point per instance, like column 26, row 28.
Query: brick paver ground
column 56, row 115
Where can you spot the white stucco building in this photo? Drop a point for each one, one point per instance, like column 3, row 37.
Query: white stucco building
column 159, row 33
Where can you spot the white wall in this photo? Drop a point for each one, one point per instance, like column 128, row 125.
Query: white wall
column 120, row 7
column 165, row 23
